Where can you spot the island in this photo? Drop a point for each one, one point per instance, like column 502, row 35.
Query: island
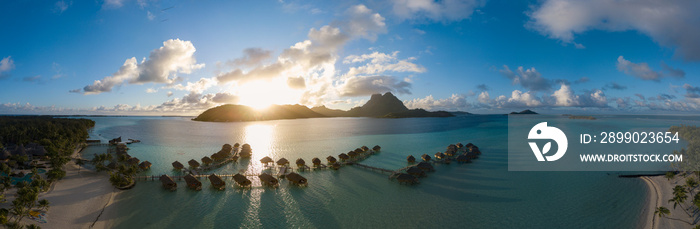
column 525, row 112
column 379, row 106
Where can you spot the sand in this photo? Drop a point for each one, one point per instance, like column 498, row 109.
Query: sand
column 82, row 199
column 660, row 191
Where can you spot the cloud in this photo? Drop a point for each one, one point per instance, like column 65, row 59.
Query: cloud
column 482, row 87
column 454, row 102
column 150, row 15
column 379, row 63
column 565, row 97
column 670, row 23
column 58, row 69
column 674, row 72
column 113, row 4
column 641, row 70
column 6, row 65
column 224, row 98
column 529, row 79
column 162, row 66
column 252, row 57
column 151, row 90
column 449, row 10
column 296, row 82
column 368, row 85
column 582, row 80
column 198, row 87
column 31, row 78
column 614, row 86
column 170, row 93
column 519, row 99
column 61, row 6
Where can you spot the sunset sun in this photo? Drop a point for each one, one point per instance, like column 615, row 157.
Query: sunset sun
column 262, row 94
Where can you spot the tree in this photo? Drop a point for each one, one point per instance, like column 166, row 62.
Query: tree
column 33, row 226
column 690, row 184
column 662, row 212
column 44, row 204
column 80, row 163
column 679, row 196
column 670, row 175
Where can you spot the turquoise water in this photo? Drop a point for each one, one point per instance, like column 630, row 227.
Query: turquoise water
column 482, row 194
column 27, row 177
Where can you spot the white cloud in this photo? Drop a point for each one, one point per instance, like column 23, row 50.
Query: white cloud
column 379, row 63
column 151, row 90
column 162, row 66
column 368, row 85
column 150, row 15
column 252, row 57
column 197, row 87
column 643, row 71
column 113, row 3
column 529, row 79
column 671, row 23
column 6, row 64
column 454, row 102
column 296, row 82
column 61, row 6
column 449, row 10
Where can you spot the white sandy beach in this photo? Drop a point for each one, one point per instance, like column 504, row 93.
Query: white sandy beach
column 82, row 199
column 660, row 191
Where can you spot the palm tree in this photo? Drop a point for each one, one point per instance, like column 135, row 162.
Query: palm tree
column 663, row 212
column 670, row 175
column 44, row 204
column 679, row 196
column 33, row 226
column 690, row 184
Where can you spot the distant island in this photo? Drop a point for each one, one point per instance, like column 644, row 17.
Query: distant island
column 528, row 111
column 380, row 106
column 580, row 117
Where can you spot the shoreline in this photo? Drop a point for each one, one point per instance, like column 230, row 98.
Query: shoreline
column 660, row 189
column 82, row 199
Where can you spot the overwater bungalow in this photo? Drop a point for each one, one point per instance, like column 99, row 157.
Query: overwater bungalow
column 193, row 183
column 377, row 148
column 471, row 155
column 267, row 179
column 331, row 159
column 335, row 166
column 266, row 160
column 168, row 182
column 411, row 159
column 425, row 166
column 193, row 163
column 462, row 158
column 459, row 145
column 450, row 152
column 236, row 145
column 296, row 179
column 405, row 178
column 283, row 162
column 145, row 165
column 352, row 154
column 217, row 182
column 425, row 157
column 439, row 155
column 300, row 163
column 207, row 160
column 415, row 171
column 364, row 148
column 133, row 161
column 246, row 151
column 241, row 180
column 227, row 148
column 316, row 161
column 358, row 151
column 177, row 165
column 343, row 156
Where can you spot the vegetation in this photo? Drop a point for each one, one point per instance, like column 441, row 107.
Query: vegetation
column 689, row 168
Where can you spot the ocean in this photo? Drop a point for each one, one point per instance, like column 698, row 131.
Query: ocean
column 481, row 194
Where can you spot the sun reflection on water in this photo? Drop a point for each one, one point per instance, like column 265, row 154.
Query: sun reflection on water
column 262, row 140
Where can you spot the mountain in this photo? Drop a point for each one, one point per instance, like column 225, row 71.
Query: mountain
column 379, row 106
column 234, row 113
column 329, row 112
column 528, row 111
column 460, row 113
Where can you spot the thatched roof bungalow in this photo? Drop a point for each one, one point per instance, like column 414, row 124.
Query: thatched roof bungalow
column 207, row 160
column 145, row 165
column 343, row 156
column 267, row 179
column 133, row 161
column 193, row 163
column 193, row 183
column 425, row 166
column 266, row 160
column 282, row 162
column 450, row 152
column 246, row 151
column 227, row 148
column 296, row 179
column 459, row 145
column 364, row 148
column 178, row 165
column 241, row 180
column 439, row 155
column 316, row 161
column 216, row 181
column 331, row 159
column 335, row 166
column 377, row 148
column 168, row 182
column 411, row 159
column 236, row 145
column 407, row 178
column 300, row 162
column 462, row 158
column 425, row 157
column 415, row 171
column 352, row 154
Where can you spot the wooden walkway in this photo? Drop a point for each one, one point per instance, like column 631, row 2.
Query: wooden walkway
column 180, row 177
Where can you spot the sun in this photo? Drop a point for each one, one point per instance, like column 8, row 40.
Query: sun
column 260, row 95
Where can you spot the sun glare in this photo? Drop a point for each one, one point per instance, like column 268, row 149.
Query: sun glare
column 262, row 94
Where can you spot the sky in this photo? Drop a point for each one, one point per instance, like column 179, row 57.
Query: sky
column 158, row 57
